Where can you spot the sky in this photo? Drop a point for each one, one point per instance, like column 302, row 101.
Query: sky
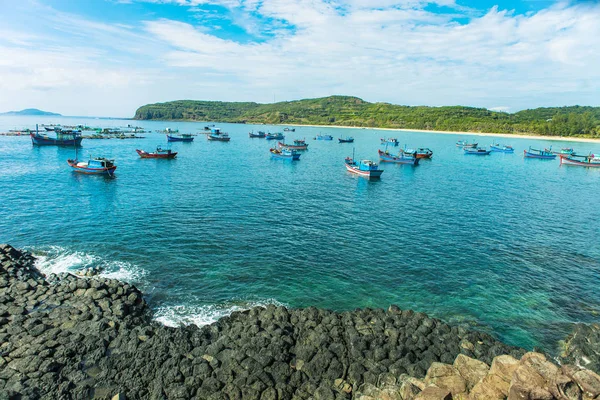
column 108, row 57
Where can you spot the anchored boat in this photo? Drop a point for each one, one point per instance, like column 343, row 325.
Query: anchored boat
column 63, row 138
column 217, row 135
column 274, row 136
column 479, row 151
column 285, row 154
column 401, row 158
column 464, row 143
column 545, row 154
column 185, row 137
column 366, row 168
column 298, row 145
column 421, row 152
column 289, row 129
column 347, row 139
column 391, row 141
column 94, row 166
column 593, row 160
column 502, row 148
column 323, row 137
column 159, row 153
column 259, row 134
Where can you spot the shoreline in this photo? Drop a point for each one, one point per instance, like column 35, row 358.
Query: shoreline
column 458, row 133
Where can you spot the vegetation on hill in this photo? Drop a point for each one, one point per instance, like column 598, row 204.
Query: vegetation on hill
column 31, row 111
column 352, row 111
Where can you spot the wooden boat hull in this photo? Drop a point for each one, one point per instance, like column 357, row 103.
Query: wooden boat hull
column 280, row 156
column 498, row 149
column 478, row 153
column 256, row 135
column 367, row 174
column 39, row 140
column 292, row 146
column 179, row 139
column 566, row 160
column 91, row 171
column 527, row 154
column 398, row 160
column 346, row 140
column 144, row 154
column 218, row 139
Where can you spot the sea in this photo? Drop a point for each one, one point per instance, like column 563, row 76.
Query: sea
column 498, row 243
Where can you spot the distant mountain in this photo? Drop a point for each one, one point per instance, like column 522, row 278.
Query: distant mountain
column 31, row 111
column 352, row 111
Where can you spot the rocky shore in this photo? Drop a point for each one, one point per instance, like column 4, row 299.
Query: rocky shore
column 68, row 337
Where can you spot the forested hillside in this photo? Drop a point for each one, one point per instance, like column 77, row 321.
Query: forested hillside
column 352, row 111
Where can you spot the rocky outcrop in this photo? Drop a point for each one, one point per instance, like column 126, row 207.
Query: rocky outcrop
column 532, row 377
column 66, row 337
column 582, row 347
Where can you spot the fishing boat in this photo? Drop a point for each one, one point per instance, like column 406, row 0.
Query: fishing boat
column 298, row 145
column 567, row 151
column 94, row 166
column 61, row 139
column 478, row 151
column 259, row 134
column 545, row 154
column 366, row 168
column 401, row 158
column 464, row 143
column 285, row 154
column 501, row 148
column 185, row 137
column 347, row 139
column 390, row 141
column 421, row 152
column 593, row 160
column 289, row 129
column 217, row 135
column 159, row 153
column 274, row 136
column 323, row 137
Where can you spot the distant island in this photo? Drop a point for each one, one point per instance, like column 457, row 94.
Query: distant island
column 581, row 121
column 32, row 111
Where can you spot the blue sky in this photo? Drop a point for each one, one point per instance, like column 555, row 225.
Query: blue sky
column 107, row 57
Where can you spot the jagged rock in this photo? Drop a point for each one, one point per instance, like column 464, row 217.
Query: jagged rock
column 503, row 366
column 434, row 393
column 588, row 381
column 582, row 347
column 491, row 387
column 445, row 377
column 470, row 369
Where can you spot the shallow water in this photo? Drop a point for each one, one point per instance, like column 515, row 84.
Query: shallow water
column 502, row 243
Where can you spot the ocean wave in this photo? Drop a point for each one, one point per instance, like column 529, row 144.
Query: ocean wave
column 57, row 259
column 200, row 315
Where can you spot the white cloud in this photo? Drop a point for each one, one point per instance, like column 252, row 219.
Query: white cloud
column 382, row 51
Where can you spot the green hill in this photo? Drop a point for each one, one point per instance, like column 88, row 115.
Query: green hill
column 352, row 111
column 31, row 111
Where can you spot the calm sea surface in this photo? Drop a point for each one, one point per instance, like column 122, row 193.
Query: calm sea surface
column 504, row 244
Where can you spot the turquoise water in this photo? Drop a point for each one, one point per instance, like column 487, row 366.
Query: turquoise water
column 501, row 243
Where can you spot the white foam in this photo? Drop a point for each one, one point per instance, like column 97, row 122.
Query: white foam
column 200, row 315
column 57, row 259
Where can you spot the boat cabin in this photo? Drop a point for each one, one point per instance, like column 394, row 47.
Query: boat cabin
column 101, row 163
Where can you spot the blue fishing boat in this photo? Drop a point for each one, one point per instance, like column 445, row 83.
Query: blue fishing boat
column 63, row 138
column 545, row 154
column 323, row 137
column 347, row 139
column 479, row 151
column 421, row 152
column 390, row 141
column 366, row 168
column 401, row 158
column 285, row 154
column 502, row 148
column 185, row 137
column 298, row 145
column 218, row 136
column 274, row 136
column 566, row 151
column 94, row 166
column 259, row 134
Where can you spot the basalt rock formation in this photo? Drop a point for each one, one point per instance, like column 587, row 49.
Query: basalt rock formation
column 68, row 337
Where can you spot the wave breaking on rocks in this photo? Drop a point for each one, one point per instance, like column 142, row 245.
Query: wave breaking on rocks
column 69, row 337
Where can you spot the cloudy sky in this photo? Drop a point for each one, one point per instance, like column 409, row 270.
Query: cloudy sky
column 107, row 57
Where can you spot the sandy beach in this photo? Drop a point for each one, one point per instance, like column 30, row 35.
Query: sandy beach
column 505, row 135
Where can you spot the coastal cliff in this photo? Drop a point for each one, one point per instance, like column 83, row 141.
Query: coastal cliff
column 66, row 337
